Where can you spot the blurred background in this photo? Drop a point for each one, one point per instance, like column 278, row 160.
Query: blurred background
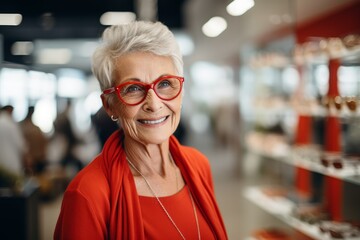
column 272, row 96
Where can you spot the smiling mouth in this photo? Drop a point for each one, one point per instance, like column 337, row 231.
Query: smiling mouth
column 153, row 121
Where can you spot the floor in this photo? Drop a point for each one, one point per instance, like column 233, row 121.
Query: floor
column 231, row 176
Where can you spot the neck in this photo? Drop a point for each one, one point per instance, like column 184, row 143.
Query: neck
column 150, row 159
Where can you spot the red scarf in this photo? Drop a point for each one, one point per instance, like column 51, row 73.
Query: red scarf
column 125, row 215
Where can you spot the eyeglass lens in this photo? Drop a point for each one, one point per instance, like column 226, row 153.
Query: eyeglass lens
column 165, row 88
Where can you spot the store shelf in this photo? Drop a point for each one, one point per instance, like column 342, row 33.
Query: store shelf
column 347, row 57
column 281, row 208
column 352, row 57
column 350, row 174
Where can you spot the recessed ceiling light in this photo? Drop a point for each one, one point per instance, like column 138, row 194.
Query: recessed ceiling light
column 214, row 27
column 115, row 18
column 239, row 7
column 10, row 19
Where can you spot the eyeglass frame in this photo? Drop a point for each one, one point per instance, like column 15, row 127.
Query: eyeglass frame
column 147, row 86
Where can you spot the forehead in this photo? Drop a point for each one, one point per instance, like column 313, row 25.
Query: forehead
column 142, row 66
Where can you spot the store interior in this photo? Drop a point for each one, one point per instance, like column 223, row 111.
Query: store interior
column 272, row 98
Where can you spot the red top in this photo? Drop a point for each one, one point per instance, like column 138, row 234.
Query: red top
column 102, row 202
column 158, row 226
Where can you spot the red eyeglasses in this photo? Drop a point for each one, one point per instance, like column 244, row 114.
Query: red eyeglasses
column 132, row 93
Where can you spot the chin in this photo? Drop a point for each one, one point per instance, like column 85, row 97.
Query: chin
column 156, row 139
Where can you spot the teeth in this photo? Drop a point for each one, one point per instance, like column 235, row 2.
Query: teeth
column 154, row 122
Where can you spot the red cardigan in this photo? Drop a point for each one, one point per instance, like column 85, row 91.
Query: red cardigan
column 102, row 203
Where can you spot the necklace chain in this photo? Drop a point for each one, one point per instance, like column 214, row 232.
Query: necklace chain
column 163, row 207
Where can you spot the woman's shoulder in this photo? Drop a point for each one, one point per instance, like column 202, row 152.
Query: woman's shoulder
column 197, row 158
column 91, row 181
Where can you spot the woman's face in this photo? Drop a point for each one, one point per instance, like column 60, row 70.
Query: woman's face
column 154, row 120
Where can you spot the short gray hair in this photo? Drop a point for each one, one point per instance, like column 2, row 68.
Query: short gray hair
column 138, row 36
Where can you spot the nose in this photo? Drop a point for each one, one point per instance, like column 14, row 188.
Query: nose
column 152, row 102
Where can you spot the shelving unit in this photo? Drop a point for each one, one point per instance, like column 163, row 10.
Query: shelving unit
column 320, row 120
column 349, row 174
column 281, row 208
column 335, row 181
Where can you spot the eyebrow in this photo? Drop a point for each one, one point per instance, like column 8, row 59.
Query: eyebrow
column 138, row 80
column 128, row 80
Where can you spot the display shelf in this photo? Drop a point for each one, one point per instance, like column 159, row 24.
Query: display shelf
column 352, row 56
column 346, row 56
column 350, row 173
column 281, row 208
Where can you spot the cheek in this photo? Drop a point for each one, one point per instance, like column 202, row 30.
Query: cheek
column 175, row 107
column 126, row 118
column 123, row 112
column 127, row 114
column 177, row 116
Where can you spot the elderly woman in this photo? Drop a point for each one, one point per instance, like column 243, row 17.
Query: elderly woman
column 144, row 184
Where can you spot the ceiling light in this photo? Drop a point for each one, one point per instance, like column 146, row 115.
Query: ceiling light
column 54, row 56
column 22, row 48
column 10, row 19
column 115, row 18
column 239, row 7
column 214, row 27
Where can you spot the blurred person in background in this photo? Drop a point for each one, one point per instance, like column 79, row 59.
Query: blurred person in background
column 144, row 184
column 13, row 150
column 64, row 129
column 37, row 143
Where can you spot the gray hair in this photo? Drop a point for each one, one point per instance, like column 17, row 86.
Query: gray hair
column 138, row 36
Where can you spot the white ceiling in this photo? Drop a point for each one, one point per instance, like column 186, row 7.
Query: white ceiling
column 250, row 27
column 242, row 31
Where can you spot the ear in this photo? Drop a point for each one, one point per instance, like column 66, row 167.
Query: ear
column 106, row 105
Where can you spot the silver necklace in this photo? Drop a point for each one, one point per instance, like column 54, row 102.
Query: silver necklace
column 163, row 207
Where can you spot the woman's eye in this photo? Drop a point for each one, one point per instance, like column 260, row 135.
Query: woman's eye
column 132, row 89
column 164, row 84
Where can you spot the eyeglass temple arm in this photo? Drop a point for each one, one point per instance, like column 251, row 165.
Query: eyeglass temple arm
column 109, row 90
